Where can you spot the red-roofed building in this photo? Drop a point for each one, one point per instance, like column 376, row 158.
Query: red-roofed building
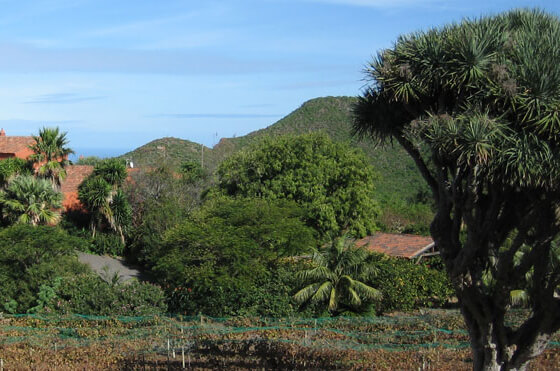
column 75, row 175
column 399, row 245
column 15, row 146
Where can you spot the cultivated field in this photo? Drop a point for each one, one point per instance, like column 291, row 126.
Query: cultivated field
column 431, row 340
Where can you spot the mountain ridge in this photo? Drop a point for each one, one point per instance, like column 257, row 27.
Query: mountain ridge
column 332, row 115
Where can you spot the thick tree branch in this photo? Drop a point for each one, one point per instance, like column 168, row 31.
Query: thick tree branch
column 417, row 157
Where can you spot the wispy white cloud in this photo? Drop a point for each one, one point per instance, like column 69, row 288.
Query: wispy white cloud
column 15, row 126
column 61, row 98
column 139, row 25
column 25, row 58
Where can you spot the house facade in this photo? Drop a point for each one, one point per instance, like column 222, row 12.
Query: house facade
column 18, row 146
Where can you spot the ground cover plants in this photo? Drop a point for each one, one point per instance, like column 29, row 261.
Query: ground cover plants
column 433, row 339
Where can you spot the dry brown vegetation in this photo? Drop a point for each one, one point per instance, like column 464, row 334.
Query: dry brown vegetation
column 432, row 340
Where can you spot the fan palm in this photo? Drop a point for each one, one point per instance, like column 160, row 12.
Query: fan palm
column 30, row 200
column 338, row 277
column 50, row 154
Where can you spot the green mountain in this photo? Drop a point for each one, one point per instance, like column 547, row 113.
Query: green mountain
column 172, row 151
column 400, row 181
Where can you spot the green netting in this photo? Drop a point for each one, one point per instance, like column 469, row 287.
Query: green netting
column 431, row 329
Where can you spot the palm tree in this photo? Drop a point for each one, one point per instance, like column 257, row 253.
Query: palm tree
column 102, row 196
column 29, row 200
column 338, row 276
column 50, row 154
column 96, row 195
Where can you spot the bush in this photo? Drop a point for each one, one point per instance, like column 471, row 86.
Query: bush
column 221, row 261
column 90, row 295
column 407, row 285
column 107, row 244
column 31, row 257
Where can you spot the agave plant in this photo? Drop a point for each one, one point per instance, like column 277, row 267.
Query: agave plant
column 338, row 277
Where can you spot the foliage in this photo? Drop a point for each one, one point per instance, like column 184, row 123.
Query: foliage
column 159, row 200
column 30, row 200
column 112, row 171
column 50, row 154
column 106, row 244
column 11, row 167
column 31, row 257
column 475, row 104
column 400, row 180
column 90, row 295
column 192, row 171
column 102, row 196
column 406, row 285
column 331, row 181
column 338, row 276
column 217, row 260
column 89, row 160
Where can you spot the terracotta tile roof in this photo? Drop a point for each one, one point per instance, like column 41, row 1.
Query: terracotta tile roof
column 14, row 144
column 75, row 175
column 400, row 245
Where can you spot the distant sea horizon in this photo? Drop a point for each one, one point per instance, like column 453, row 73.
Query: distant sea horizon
column 98, row 152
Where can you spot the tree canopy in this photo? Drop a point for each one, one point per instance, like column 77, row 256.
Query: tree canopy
column 103, row 197
column 51, row 154
column 332, row 181
column 30, row 257
column 477, row 106
column 220, row 259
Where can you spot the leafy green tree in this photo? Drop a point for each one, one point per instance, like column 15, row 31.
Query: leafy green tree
column 332, row 181
column 103, row 197
column 476, row 106
column 192, row 171
column 31, row 257
column 11, row 167
column 338, row 276
column 30, row 200
column 159, row 200
column 220, row 260
column 112, row 170
column 51, row 154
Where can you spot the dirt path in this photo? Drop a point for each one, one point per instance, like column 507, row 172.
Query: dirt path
column 106, row 267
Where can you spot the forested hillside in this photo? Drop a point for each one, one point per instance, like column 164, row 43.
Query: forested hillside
column 399, row 184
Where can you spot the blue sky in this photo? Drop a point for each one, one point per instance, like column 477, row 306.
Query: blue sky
column 118, row 74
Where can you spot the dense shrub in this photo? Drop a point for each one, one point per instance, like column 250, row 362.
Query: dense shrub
column 407, row 285
column 91, row 295
column 160, row 199
column 106, row 244
column 33, row 256
column 13, row 166
column 222, row 260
